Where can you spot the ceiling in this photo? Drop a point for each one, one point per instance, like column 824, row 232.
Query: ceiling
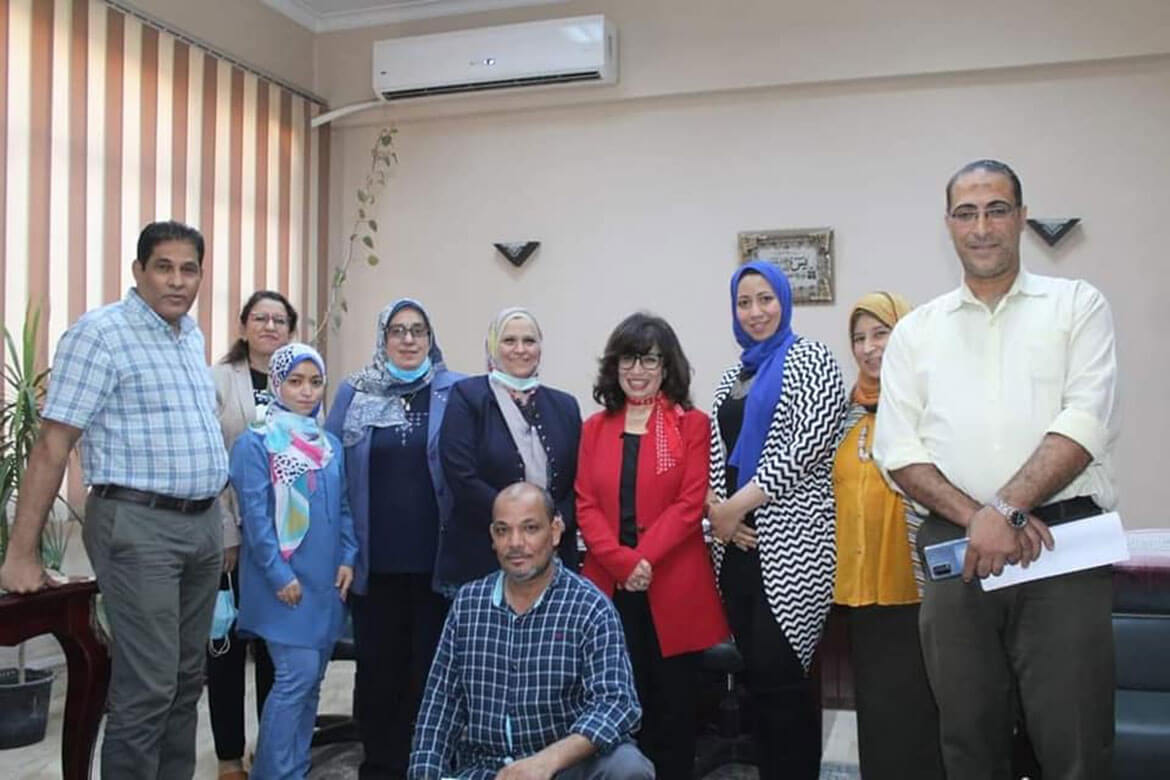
column 327, row 15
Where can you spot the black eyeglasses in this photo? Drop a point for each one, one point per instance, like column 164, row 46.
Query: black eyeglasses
column 651, row 361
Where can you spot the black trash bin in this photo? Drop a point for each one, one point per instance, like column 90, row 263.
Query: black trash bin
column 24, row 707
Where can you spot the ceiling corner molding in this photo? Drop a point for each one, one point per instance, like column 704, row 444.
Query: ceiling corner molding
column 312, row 14
column 297, row 11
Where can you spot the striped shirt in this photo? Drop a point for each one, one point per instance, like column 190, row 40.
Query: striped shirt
column 504, row 686
column 143, row 398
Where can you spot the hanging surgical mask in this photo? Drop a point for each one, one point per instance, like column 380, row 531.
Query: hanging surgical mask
column 519, row 384
column 409, row 375
column 222, row 621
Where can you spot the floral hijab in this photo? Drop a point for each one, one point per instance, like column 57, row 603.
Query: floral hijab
column 297, row 448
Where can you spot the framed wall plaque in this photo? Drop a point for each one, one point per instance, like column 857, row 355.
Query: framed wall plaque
column 805, row 255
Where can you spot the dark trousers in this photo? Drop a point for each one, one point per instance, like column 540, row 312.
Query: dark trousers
column 897, row 719
column 667, row 689
column 225, row 685
column 1047, row 645
column 157, row 571
column 396, row 626
column 784, row 704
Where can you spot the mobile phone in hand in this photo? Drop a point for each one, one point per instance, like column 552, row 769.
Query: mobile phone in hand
column 945, row 559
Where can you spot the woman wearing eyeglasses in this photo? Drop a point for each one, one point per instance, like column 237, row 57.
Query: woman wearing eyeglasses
column 387, row 416
column 776, row 419
column 242, row 394
column 502, row 427
column 641, row 484
column 879, row 577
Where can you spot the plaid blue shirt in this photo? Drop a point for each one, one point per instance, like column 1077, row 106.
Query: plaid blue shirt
column 143, row 397
column 504, row 686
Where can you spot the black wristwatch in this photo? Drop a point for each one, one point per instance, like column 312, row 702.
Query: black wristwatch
column 1016, row 517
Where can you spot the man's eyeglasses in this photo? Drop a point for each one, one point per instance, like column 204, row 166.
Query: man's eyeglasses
column 277, row 320
column 651, row 361
column 996, row 212
column 398, row 332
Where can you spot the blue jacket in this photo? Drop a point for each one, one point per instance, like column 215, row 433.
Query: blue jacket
column 318, row 619
column 357, row 466
column 480, row 459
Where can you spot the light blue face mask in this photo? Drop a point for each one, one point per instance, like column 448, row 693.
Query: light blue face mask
column 516, row 383
column 405, row 375
column 222, row 621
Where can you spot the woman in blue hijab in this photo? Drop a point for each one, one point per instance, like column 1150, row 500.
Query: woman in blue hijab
column 775, row 422
column 388, row 416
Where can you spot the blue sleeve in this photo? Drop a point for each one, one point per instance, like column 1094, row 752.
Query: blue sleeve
column 458, row 450
column 613, row 711
column 567, row 505
column 349, row 547
column 83, row 377
column 443, row 712
column 249, row 476
column 336, row 417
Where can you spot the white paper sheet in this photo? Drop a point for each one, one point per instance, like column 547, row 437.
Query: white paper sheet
column 1080, row 544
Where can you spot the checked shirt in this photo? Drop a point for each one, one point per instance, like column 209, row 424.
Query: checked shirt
column 143, row 397
column 504, row 686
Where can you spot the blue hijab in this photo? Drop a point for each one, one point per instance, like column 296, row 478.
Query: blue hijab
column 764, row 360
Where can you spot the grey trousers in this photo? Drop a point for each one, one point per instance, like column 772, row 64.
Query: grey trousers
column 158, row 572
column 625, row 762
column 1047, row 645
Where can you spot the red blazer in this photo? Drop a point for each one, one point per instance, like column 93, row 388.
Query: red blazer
column 684, row 604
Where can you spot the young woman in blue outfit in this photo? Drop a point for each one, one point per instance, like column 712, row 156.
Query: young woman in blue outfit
column 298, row 553
column 387, row 416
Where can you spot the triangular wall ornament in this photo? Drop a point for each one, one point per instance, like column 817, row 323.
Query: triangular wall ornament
column 1052, row 230
column 517, row 253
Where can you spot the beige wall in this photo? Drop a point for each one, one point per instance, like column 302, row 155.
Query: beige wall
column 638, row 205
column 671, row 47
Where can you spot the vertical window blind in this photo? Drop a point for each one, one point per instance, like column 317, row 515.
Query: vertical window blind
column 106, row 124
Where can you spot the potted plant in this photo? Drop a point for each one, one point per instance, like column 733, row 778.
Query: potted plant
column 25, row 693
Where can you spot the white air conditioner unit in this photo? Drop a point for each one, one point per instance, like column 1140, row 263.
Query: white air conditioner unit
column 581, row 49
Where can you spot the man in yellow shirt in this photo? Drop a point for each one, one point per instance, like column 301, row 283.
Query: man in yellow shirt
column 998, row 413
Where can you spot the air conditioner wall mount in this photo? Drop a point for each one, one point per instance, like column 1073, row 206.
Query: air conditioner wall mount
column 580, row 49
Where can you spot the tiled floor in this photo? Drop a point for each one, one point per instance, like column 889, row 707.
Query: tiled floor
column 339, row 762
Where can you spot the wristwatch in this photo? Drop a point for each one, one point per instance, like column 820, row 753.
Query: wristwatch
column 1016, row 517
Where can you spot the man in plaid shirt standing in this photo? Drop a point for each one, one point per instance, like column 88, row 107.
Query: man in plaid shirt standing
column 131, row 383
column 531, row 678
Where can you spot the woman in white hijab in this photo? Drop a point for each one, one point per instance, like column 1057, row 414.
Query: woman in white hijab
column 503, row 427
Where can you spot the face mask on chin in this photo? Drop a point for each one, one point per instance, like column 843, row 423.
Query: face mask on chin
column 409, row 375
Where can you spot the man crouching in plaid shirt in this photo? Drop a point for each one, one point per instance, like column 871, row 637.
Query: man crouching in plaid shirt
column 531, row 678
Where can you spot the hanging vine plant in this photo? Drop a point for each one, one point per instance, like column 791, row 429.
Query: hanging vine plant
column 361, row 237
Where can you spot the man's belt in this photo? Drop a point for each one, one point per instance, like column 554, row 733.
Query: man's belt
column 1069, row 509
column 188, row 506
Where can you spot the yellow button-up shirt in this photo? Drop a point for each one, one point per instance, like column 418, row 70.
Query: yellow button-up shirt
column 873, row 546
column 974, row 390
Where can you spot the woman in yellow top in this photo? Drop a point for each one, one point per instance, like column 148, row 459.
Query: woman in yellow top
column 878, row 579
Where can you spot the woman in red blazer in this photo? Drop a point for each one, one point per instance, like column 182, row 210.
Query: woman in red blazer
column 641, row 483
